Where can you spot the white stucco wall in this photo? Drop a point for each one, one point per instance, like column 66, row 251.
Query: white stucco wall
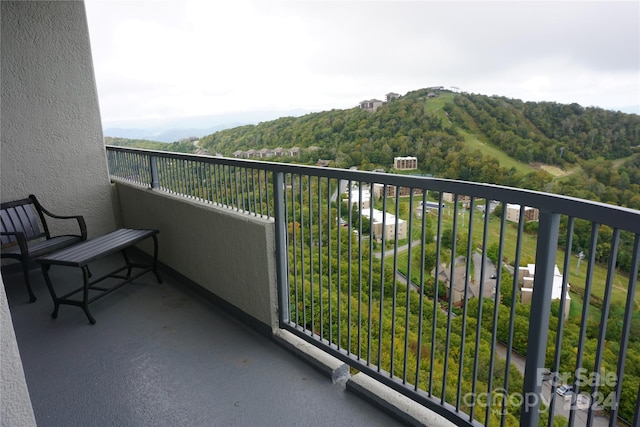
column 228, row 253
column 51, row 141
column 15, row 405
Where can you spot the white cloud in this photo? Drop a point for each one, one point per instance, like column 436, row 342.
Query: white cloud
column 179, row 58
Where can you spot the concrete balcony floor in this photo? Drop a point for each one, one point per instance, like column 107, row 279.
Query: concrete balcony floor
column 159, row 355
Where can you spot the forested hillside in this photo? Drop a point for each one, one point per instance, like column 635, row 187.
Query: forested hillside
column 589, row 153
column 595, row 152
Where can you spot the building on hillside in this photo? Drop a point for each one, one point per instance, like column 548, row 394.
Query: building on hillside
column 294, row 152
column 378, row 191
column 527, row 274
column 371, row 105
column 455, row 295
column 390, row 225
column 512, row 213
column 450, row 198
column 391, row 96
column 405, row 163
column 354, row 193
column 390, row 221
column 265, row 153
column 426, row 207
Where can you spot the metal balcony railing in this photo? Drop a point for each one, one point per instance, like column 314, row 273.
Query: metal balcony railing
column 359, row 254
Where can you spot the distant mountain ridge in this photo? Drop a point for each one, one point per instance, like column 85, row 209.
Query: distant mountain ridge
column 172, row 130
column 165, row 135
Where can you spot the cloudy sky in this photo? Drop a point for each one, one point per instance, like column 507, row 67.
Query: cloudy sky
column 179, row 58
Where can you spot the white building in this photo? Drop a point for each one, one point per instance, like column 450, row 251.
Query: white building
column 378, row 216
column 371, row 104
column 405, row 163
column 526, row 275
column 355, row 197
column 390, row 223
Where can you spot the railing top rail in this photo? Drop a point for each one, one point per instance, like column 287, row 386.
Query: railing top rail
column 614, row 216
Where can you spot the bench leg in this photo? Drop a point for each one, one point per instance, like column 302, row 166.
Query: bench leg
column 54, row 297
column 127, row 262
column 155, row 258
column 27, row 282
column 85, row 294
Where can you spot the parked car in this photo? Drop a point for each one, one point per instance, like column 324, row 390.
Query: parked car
column 493, row 276
column 564, row 390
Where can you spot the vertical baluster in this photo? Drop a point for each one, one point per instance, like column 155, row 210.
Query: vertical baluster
column 330, row 220
column 604, row 316
column 394, row 282
column 423, row 244
column 311, row 259
column 370, row 306
column 496, row 302
column 546, row 249
column 349, row 263
column 560, row 328
column 320, row 286
column 585, row 307
column 465, row 299
column 359, row 338
column 407, row 326
column 282, row 254
column 454, row 232
column 512, row 312
column 383, row 235
column 435, row 297
column 626, row 329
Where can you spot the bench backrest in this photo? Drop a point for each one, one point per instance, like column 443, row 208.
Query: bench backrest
column 19, row 216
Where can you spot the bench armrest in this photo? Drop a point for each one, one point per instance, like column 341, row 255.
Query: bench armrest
column 79, row 218
column 20, row 238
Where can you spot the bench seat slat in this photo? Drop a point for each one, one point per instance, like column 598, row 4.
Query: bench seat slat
column 44, row 247
column 82, row 253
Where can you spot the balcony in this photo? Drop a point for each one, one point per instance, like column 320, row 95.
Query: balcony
column 332, row 281
column 286, row 250
column 263, row 243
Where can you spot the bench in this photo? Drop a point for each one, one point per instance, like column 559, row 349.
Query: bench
column 25, row 235
column 81, row 254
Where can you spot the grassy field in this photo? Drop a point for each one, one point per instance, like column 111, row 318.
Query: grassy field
column 505, row 161
column 434, row 106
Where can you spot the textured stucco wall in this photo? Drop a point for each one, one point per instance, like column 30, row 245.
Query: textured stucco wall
column 15, row 405
column 230, row 254
column 51, row 141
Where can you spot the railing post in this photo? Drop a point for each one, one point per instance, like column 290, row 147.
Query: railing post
column 153, row 167
column 281, row 247
column 546, row 249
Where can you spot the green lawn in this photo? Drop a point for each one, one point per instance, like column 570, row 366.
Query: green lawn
column 505, row 161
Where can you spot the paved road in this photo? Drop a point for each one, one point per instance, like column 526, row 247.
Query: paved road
column 489, row 270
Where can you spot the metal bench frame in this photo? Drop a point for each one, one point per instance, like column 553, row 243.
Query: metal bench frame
column 25, row 236
column 81, row 254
